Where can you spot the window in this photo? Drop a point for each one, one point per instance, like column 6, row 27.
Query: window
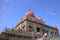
column 30, row 28
column 38, row 29
column 23, row 27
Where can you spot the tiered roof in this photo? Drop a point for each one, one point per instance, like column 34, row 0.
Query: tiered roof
column 30, row 16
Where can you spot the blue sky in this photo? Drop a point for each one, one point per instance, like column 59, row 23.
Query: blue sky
column 12, row 10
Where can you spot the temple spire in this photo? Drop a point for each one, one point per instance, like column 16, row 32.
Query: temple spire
column 29, row 13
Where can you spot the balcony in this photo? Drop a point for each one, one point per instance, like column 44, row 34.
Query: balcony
column 24, row 33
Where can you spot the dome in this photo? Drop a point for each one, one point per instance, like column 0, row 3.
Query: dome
column 29, row 13
column 54, row 26
column 39, row 18
column 20, row 20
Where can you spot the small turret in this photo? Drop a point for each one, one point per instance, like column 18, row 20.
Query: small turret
column 54, row 26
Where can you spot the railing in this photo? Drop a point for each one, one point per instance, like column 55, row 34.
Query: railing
column 55, row 38
column 24, row 33
column 31, row 35
column 3, row 37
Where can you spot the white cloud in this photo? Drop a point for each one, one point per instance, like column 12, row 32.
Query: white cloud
column 52, row 13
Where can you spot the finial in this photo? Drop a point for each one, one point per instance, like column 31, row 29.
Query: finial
column 29, row 8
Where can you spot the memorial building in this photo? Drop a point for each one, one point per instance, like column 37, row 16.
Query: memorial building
column 30, row 28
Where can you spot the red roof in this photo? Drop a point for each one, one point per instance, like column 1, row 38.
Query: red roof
column 29, row 15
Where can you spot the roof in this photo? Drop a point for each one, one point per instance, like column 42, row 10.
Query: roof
column 30, row 16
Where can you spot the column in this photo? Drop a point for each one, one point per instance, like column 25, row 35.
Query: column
column 48, row 37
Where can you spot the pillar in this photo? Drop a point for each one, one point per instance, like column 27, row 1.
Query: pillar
column 48, row 36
